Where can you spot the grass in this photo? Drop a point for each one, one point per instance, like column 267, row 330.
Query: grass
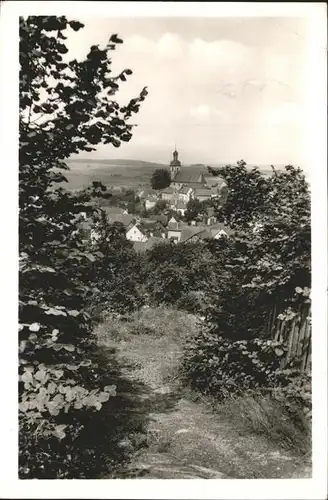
column 246, row 437
column 264, row 416
column 152, row 333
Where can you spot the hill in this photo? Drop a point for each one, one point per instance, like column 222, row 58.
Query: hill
column 126, row 173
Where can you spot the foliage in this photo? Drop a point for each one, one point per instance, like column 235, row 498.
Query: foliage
column 173, row 271
column 194, row 209
column 293, row 389
column 118, row 273
column 160, row 179
column 247, row 194
column 65, row 107
column 262, row 414
column 222, row 367
column 263, row 264
column 160, row 207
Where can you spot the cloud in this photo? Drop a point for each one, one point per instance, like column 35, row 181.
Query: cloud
column 201, row 111
column 287, row 114
column 216, row 94
column 139, row 44
column 171, row 45
column 223, row 55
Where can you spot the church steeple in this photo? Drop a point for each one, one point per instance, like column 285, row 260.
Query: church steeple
column 175, row 164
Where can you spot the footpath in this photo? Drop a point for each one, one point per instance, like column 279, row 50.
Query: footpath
column 185, row 439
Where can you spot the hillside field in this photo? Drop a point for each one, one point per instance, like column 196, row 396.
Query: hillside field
column 127, row 173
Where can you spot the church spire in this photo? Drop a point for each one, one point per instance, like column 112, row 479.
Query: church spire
column 175, row 164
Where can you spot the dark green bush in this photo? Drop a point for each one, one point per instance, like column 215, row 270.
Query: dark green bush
column 221, row 367
column 192, row 302
column 293, row 389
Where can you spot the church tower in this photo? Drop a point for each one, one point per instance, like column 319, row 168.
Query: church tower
column 175, row 164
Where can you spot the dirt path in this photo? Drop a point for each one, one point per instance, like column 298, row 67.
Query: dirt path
column 185, row 439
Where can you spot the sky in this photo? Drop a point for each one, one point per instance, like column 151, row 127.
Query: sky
column 220, row 89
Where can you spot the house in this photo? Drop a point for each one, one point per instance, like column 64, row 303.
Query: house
column 142, row 194
column 180, row 207
column 194, row 233
column 180, row 178
column 125, row 219
column 219, row 230
column 153, row 228
column 151, row 201
column 148, row 245
column 185, row 193
column 162, row 218
column 174, row 230
column 203, row 194
column 173, row 220
column 143, row 230
column 135, row 233
column 167, row 193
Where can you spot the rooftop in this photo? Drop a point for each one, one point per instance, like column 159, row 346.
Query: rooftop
column 202, row 192
column 185, row 177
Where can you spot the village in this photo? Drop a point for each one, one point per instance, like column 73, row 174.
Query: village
column 165, row 275
column 169, row 222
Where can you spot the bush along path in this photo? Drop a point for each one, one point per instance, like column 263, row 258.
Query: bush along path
column 182, row 436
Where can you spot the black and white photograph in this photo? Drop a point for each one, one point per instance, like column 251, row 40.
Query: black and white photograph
column 165, row 245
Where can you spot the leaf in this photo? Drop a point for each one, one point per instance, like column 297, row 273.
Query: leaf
column 59, row 431
column 69, row 347
column 27, row 377
column 86, row 362
column 51, row 388
column 69, row 394
column 72, row 367
column 111, row 389
column 40, row 375
column 90, row 257
column 57, row 347
column 103, row 397
column 73, row 313
column 76, row 25
column 98, row 406
column 55, row 312
column 279, row 352
column 58, row 373
column 115, row 39
column 23, row 406
column 53, row 408
column 33, row 338
column 34, row 327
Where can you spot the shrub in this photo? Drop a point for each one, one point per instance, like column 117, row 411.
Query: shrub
column 192, row 302
column 220, row 367
column 262, row 414
column 293, row 389
column 225, row 369
column 60, row 384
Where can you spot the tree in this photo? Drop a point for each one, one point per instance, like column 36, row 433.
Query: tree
column 247, row 194
column 160, row 207
column 263, row 268
column 194, row 209
column 160, row 178
column 66, row 107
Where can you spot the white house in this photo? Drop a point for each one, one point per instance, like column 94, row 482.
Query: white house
column 150, row 202
column 180, row 207
column 219, row 233
column 174, row 231
column 136, row 234
column 185, row 193
column 219, row 230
